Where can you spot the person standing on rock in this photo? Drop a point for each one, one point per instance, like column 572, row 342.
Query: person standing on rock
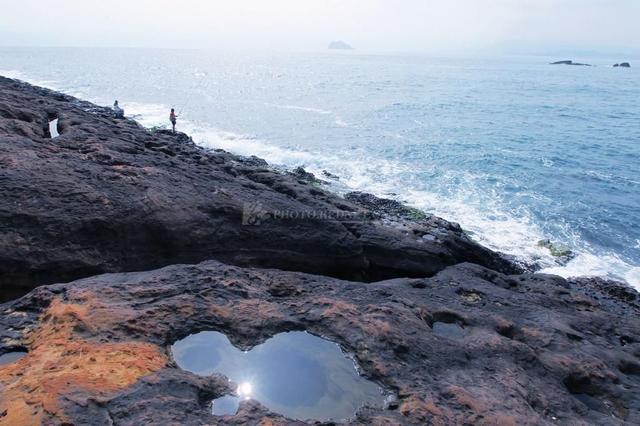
column 173, row 118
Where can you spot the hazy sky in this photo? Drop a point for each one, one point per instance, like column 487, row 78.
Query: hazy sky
column 529, row 26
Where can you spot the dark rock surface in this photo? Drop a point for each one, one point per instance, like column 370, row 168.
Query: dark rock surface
column 109, row 196
column 330, row 175
column 533, row 349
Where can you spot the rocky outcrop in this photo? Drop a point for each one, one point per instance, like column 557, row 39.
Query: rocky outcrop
column 568, row 62
column 531, row 349
column 622, row 65
column 107, row 195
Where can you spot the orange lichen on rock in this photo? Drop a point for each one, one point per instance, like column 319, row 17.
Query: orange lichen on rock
column 418, row 408
column 337, row 308
column 256, row 308
column 59, row 361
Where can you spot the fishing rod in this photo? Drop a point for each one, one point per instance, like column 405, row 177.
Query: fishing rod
column 194, row 87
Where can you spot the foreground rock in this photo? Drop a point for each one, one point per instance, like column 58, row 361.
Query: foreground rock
column 108, row 195
column 531, row 349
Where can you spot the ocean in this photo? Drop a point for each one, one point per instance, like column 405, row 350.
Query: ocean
column 515, row 150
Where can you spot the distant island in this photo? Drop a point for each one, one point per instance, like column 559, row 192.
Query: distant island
column 623, row 65
column 339, row 45
column 570, row 63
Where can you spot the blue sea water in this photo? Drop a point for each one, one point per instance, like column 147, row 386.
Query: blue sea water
column 512, row 148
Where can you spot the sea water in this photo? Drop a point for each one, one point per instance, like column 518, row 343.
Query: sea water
column 512, row 148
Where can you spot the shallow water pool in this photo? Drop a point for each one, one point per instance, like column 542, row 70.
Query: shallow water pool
column 295, row 374
column 11, row 357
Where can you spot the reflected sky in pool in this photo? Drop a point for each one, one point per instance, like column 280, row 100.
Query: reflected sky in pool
column 11, row 357
column 296, row 374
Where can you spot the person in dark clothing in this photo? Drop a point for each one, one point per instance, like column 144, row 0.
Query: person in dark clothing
column 173, row 118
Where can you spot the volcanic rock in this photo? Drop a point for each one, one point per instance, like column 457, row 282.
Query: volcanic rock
column 532, row 349
column 108, row 195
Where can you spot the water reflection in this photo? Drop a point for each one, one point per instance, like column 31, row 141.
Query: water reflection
column 448, row 330
column 295, row 374
column 11, row 357
column 225, row 406
column 53, row 128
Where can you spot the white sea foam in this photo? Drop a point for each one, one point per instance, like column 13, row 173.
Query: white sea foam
column 340, row 122
column 149, row 115
column 14, row 74
column 599, row 265
column 487, row 221
column 19, row 75
column 247, row 146
column 300, row 108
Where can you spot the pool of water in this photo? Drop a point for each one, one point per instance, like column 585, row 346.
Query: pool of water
column 53, row 128
column 11, row 357
column 449, row 330
column 295, row 374
column 226, row 406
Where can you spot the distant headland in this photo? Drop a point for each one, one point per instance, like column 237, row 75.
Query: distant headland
column 339, row 45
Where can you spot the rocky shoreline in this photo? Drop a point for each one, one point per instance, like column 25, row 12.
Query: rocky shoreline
column 250, row 252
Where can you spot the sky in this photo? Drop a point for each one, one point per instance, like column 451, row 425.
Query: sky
column 432, row 26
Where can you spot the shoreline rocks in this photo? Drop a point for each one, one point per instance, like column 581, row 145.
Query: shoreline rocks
column 110, row 196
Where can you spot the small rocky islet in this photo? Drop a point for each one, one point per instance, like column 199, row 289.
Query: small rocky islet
column 570, row 62
column 117, row 242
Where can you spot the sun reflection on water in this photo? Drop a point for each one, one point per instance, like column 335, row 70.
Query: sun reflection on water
column 245, row 389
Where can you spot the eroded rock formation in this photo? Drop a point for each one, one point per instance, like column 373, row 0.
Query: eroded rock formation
column 534, row 349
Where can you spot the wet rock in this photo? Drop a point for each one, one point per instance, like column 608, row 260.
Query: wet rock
column 330, row 175
column 301, row 174
column 384, row 207
column 429, row 231
column 255, row 161
column 518, row 358
column 563, row 253
column 110, row 196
